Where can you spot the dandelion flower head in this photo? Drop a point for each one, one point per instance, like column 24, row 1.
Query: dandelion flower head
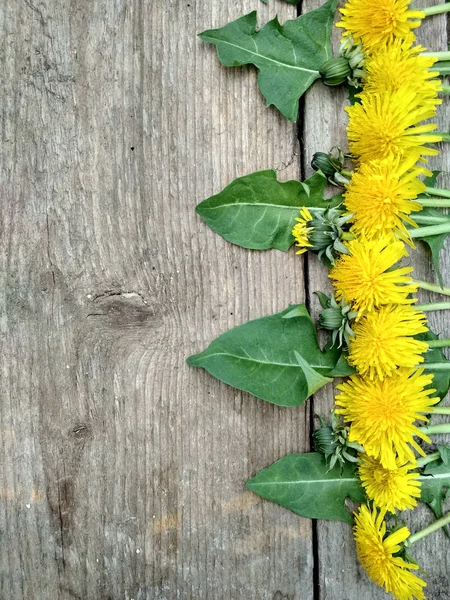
column 301, row 231
column 364, row 277
column 381, row 196
column 389, row 123
column 390, row 489
column 382, row 413
column 377, row 554
column 384, row 341
column 393, row 66
column 375, row 23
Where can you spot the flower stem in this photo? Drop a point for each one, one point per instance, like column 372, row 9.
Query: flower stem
column 415, row 537
column 441, row 410
column 445, row 135
column 437, row 192
column 435, row 202
column 433, row 306
column 347, row 236
column 429, row 230
column 421, row 462
column 439, row 343
column 439, row 55
column 432, row 287
column 439, row 366
column 350, row 173
column 435, row 429
column 445, row 89
column 438, row 9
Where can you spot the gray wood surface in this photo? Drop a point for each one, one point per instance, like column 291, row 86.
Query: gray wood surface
column 123, row 471
column 340, row 576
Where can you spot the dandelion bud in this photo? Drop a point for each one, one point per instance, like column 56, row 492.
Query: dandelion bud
column 324, row 441
column 336, row 317
column 335, row 71
column 330, row 318
column 326, row 163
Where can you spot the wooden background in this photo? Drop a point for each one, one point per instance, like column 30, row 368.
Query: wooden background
column 123, row 471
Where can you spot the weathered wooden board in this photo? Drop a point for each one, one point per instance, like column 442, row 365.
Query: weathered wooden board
column 340, row 577
column 123, row 470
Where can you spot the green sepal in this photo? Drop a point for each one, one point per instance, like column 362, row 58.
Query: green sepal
column 323, row 299
column 275, row 358
column 288, row 56
column 305, row 484
column 258, row 212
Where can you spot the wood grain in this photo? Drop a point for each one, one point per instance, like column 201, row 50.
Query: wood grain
column 123, row 470
column 340, row 576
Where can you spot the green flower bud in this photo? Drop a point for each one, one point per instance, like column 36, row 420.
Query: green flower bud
column 336, row 317
column 326, row 163
column 324, row 441
column 330, row 318
column 335, row 71
column 331, row 440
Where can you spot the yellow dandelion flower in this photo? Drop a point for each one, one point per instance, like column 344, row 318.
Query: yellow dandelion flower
column 382, row 413
column 384, row 341
column 301, row 231
column 365, row 278
column 381, row 196
column 375, row 23
column 388, row 123
column 395, row 65
column 390, row 489
column 377, row 554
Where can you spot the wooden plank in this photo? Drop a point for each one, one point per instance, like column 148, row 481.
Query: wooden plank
column 123, row 470
column 340, row 577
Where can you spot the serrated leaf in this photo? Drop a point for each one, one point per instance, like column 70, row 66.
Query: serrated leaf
column 342, row 368
column 258, row 212
column 431, row 216
column 288, row 56
column 313, row 378
column 260, row 357
column 441, row 379
column 425, row 217
column 435, row 486
column 444, row 452
column 304, row 484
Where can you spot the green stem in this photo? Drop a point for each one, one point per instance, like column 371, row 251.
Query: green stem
column 445, row 135
column 439, row 366
column 439, row 55
column 347, row 236
column 445, row 89
column 432, row 287
column 430, row 230
column 435, row 202
column 443, row 68
column 433, row 306
column 438, row 9
column 435, row 429
column 437, row 192
column 350, row 173
column 421, row 462
column 415, row 537
column 427, row 220
column 439, row 343
column 441, row 410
